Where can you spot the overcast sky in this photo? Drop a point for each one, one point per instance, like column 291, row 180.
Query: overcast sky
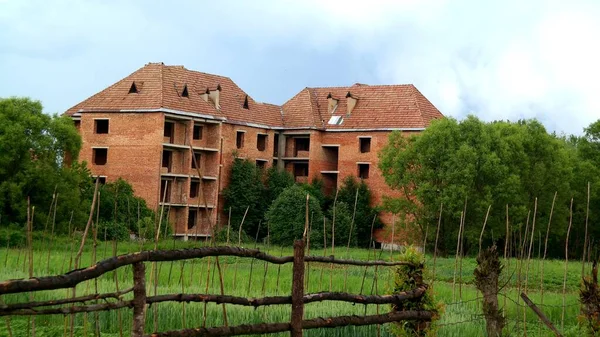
column 494, row 59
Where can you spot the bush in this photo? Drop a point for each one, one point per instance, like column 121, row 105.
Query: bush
column 287, row 215
column 221, row 236
column 363, row 219
column 146, row 229
column 110, row 230
column 12, row 237
column 343, row 221
column 277, row 182
column 245, row 191
column 407, row 278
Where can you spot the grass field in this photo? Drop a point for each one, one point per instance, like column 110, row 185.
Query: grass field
column 191, row 277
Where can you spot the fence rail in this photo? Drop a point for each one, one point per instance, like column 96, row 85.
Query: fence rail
column 140, row 300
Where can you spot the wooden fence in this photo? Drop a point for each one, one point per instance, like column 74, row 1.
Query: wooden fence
column 141, row 300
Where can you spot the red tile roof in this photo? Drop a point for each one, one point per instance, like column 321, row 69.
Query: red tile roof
column 377, row 106
column 160, row 87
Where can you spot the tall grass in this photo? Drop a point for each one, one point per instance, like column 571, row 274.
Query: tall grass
column 169, row 315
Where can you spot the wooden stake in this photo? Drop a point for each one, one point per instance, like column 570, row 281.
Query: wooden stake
column 483, row 228
column 587, row 212
column 368, row 256
column 528, row 261
column 562, row 317
column 456, row 258
column 540, row 314
column 462, row 249
column 350, row 239
column 324, row 253
column 297, row 290
column 239, row 245
column 332, row 240
column 437, row 236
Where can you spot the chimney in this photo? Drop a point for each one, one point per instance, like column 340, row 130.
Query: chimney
column 350, row 102
column 331, row 103
column 214, row 96
column 205, row 95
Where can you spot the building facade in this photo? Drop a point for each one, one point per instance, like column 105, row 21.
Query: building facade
column 173, row 134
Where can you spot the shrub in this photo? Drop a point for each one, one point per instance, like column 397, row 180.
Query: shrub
column 12, row 237
column 245, row 191
column 406, row 278
column 146, row 229
column 287, row 215
column 110, row 230
column 221, row 236
column 277, row 181
column 343, row 221
column 363, row 219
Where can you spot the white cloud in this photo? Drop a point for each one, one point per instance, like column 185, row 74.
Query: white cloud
column 497, row 59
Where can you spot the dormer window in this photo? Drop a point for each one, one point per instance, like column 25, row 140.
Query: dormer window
column 246, row 103
column 133, row 89
column 185, row 93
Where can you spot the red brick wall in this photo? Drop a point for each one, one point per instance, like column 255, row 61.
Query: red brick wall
column 134, row 149
column 135, row 146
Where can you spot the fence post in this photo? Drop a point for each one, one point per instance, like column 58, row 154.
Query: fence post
column 139, row 299
column 297, row 290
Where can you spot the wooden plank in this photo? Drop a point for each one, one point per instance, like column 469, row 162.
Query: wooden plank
column 540, row 314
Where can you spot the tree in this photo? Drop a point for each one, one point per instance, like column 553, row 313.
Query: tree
column 287, row 215
column 480, row 164
column 33, row 149
column 246, row 191
column 351, row 192
column 343, row 221
column 121, row 211
column 277, row 181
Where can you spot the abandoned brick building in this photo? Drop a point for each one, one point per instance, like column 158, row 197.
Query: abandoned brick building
column 145, row 128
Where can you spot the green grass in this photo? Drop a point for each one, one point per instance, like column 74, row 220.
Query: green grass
column 191, row 277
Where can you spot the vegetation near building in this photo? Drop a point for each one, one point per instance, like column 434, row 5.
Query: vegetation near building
column 470, row 165
column 38, row 161
column 287, row 215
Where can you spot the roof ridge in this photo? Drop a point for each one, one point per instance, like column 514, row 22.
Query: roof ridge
column 364, row 86
column 162, row 81
column 415, row 98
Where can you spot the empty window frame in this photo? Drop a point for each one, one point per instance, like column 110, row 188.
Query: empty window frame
column 167, row 159
column 364, row 144
column 192, row 216
column 197, row 132
column 194, row 188
column 239, row 139
column 101, row 126
column 100, row 156
column 165, row 190
column 169, row 130
column 261, row 142
column 77, row 124
column 302, row 144
column 363, row 171
column 276, row 145
column 301, row 170
column 101, row 180
column 196, row 160
column 261, row 164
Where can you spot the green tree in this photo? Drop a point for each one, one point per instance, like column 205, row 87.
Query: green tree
column 357, row 192
column 343, row 221
column 277, row 181
column 479, row 164
column 246, row 191
column 33, row 149
column 287, row 215
column 120, row 210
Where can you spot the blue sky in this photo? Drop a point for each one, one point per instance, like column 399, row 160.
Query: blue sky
column 494, row 59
